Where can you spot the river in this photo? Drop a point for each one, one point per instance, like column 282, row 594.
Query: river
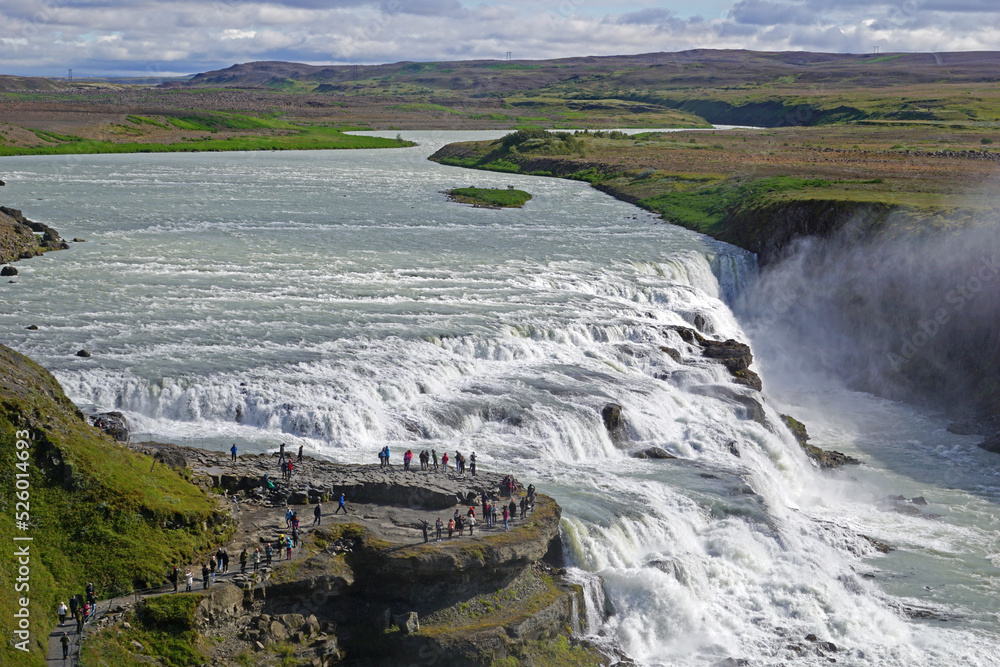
column 337, row 300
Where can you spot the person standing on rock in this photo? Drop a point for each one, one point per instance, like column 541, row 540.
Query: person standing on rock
column 232, row 450
column 444, row 461
column 451, row 527
column 524, row 506
column 204, row 575
column 244, row 556
column 295, row 536
column 407, row 457
column 256, row 558
column 218, row 559
column 472, row 464
column 300, row 455
column 225, row 560
column 425, row 526
column 341, row 504
column 387, row 464
column 512, row 508
column 281, row 453
column 318, row 515
column 434, row 456
column 472, row 522
column 439, row 524
column 63, row 608
column 506, row 516
column 268, row 552
column 459, row 525
column 290, row 468
column 288, row 518
column 381, row 458
column 288, row 549
column 212, row 566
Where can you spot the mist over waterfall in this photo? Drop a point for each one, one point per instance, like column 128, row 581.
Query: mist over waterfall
column 341, row 303
column 904, row 315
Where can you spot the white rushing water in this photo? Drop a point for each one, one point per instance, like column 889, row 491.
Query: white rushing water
column 338, row 301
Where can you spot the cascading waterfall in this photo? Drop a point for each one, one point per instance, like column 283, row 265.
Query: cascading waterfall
column 340, row 302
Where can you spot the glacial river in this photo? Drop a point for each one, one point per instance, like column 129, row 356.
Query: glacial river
column 337, row 300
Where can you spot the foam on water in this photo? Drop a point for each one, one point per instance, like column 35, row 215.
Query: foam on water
column 338, row 301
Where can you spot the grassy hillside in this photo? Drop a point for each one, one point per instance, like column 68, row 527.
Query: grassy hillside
column 96, row 511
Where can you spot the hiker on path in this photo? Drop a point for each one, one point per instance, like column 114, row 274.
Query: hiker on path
column 63, row 609
column 232, row 450
column 244, row 556
column 439, row 524
column 256, row 558
column 318, row 514
column 451, row 527
column 512, row 509
column 506, row 516
column 288, row 549
column 472, row 522
column 295, row 536
column 424, row 525
column 189, row 581
column 288, row 517
column 212, row 566
column 225, row 560
column 79, row 620
column 204, row 575
column 175, row 577
column 64, row 640
column 341, row 504
column 524, row 506
column 74, row 604
column 459, row 525
column 268, row 552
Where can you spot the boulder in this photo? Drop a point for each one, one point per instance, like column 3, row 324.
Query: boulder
column 112, row 423
column 171, row 458
column 407, row 623
column 991, row 444
column 8, row 271
column 32, row 327
column 83, row 353
column 2, row 183
column 79, row 240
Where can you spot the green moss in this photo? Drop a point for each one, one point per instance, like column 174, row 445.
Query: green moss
column 558, row 652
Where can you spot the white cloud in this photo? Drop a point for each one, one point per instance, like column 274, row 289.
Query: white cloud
column 46, row 36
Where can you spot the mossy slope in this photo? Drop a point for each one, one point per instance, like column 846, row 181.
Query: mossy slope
column 98, row 512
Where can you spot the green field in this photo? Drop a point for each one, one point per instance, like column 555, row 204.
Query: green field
column 490, row 197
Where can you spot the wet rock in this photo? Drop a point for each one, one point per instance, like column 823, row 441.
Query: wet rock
column 612, row 416
column 8, row 271
column 79, row 240
column 734, row 448
column 732, row 662
column 732, row 354
column 83, row 353
column 653, row 453
column 826, row 459
column 919, row 500
column 991, row 444
column 32, row 327
column 879, row 545
column 672, row 353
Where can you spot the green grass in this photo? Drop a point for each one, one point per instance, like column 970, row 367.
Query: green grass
column 491, row 197
column 706, row 208
column 261, row 134
column 417, row 106
column 163, row 625
column 98, row 512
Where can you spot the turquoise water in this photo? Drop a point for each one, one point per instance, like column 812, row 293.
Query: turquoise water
column 337, row 300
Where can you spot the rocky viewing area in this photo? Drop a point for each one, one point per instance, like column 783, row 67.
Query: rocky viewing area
column 364, row 587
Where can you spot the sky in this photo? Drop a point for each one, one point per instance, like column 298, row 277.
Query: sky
column 182, row 37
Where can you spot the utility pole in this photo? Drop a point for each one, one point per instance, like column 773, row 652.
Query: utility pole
column 508, row 56
column 71, row 75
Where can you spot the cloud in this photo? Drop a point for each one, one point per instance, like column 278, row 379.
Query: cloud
column 47, row 36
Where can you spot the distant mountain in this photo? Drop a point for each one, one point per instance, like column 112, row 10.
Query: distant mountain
column 680, row 70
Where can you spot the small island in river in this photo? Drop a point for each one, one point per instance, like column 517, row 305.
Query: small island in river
column 490, row 197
